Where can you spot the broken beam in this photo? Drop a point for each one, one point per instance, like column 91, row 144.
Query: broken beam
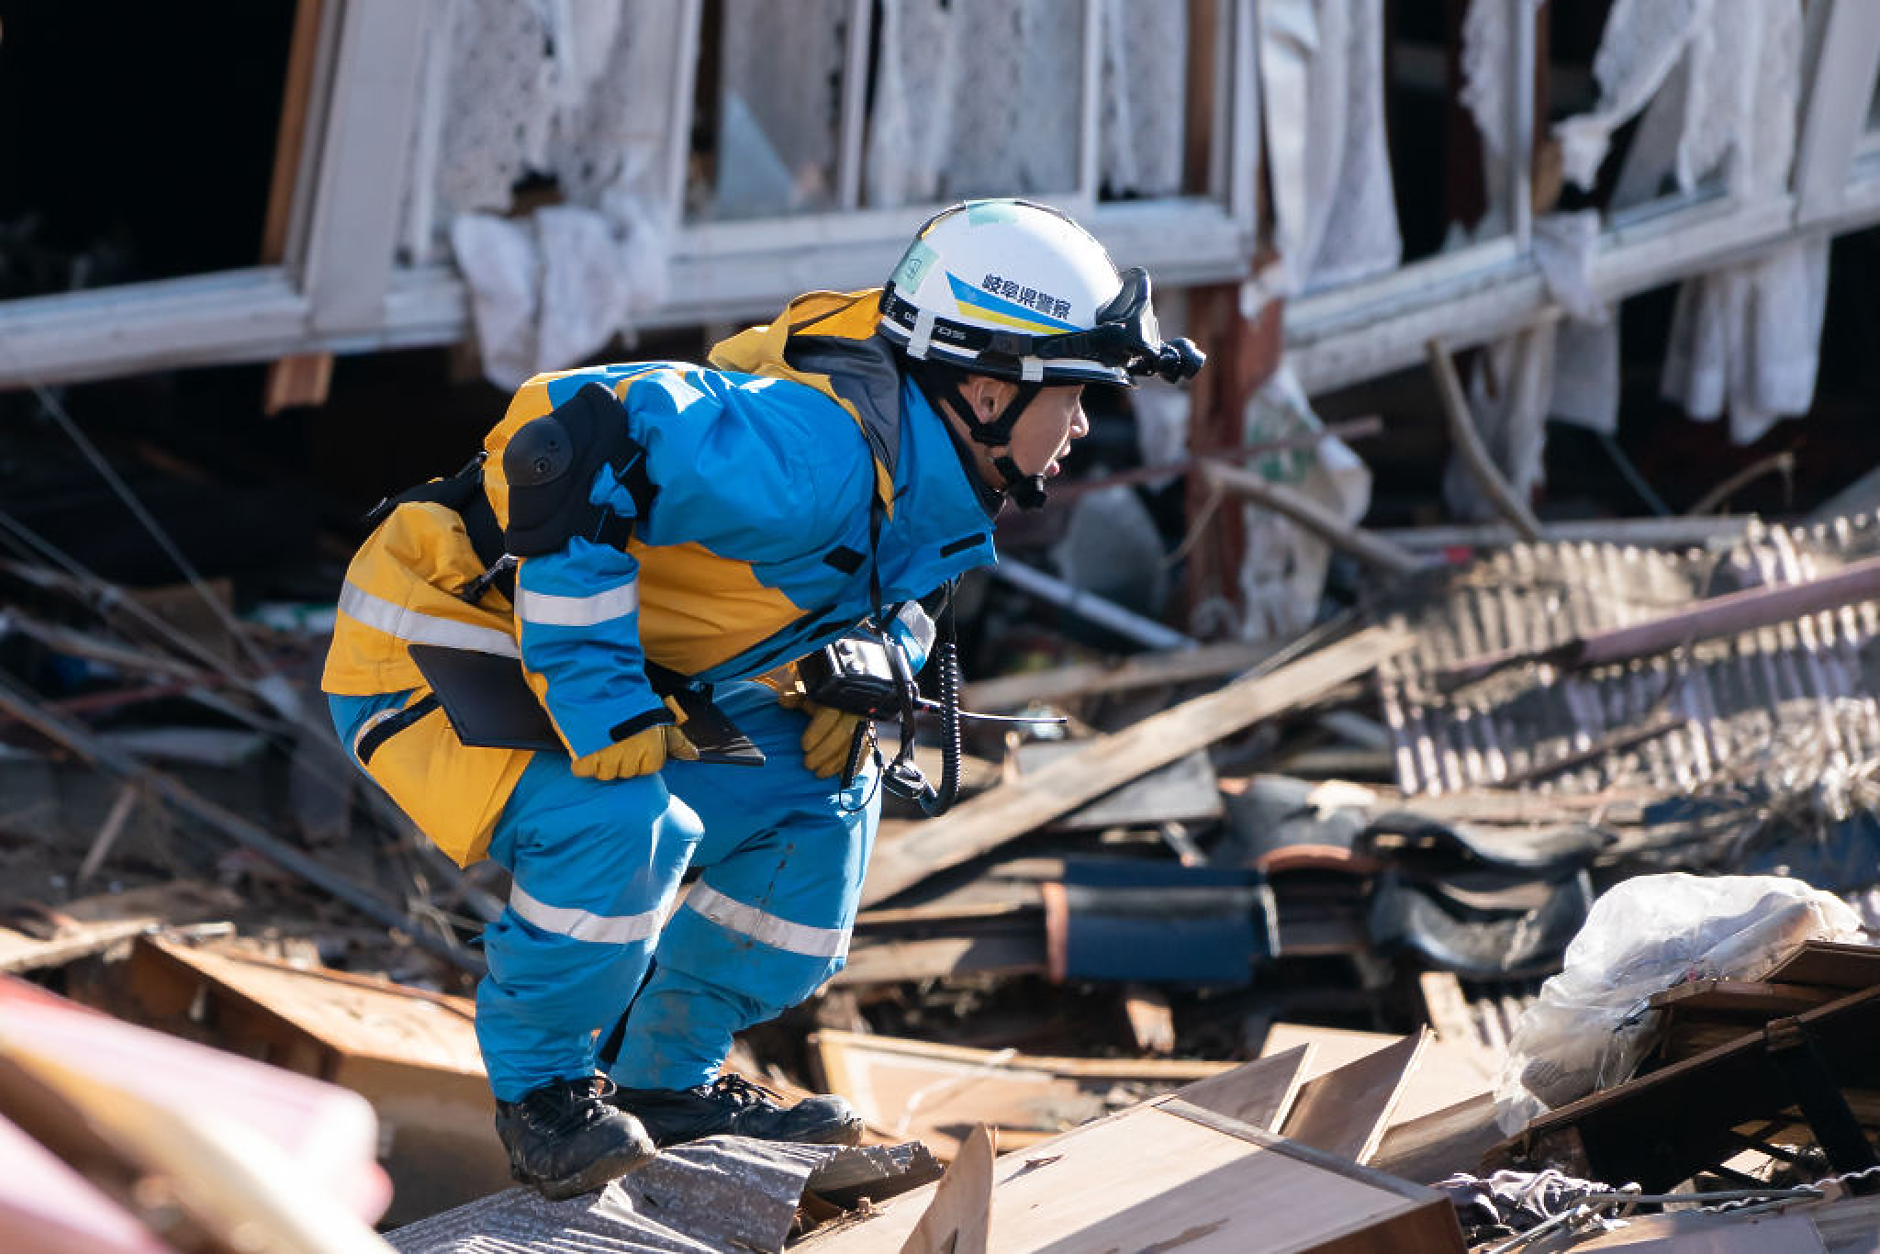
column 101, row 752
column 1370, row 549
column 1030, row 801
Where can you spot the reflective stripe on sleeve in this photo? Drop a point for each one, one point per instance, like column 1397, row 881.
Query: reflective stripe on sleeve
column 415, row 628
column 622, row 929
column 554, row 611
column 798, row 938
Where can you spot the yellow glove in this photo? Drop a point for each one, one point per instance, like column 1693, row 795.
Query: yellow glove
column 828, row 739
column 642, row 753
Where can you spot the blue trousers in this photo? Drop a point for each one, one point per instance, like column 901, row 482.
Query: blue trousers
column 595, row 867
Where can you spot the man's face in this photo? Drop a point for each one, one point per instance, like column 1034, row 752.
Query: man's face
column 1044, row 432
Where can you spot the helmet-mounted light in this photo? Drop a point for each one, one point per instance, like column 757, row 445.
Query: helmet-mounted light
column 1126, row 336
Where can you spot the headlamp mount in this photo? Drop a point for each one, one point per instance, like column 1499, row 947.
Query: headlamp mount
column 1126, row 336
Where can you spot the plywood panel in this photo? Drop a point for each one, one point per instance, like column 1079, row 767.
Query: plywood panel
column 1345, row 1111
column 936, row 1093
column 1260, row 1092
column 1829, row 964
column 958, row 1220
column 352, row 1015
column 1149, row 1179
column 1446, row 1072
column 1433, row 1146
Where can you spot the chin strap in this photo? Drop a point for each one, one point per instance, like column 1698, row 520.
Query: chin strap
column 1026, row 491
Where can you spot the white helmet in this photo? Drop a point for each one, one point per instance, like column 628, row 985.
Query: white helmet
column 1019, row 291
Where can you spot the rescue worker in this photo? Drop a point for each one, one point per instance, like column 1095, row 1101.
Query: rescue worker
column 639, row 534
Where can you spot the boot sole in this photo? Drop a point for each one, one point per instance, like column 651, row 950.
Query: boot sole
column 837, row 1134
column 595, row 1176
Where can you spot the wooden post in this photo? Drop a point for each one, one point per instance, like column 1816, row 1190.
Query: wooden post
column 1242, row 355
column 304, row 378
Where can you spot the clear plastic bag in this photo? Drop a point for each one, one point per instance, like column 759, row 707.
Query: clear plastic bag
column 1592, row 1024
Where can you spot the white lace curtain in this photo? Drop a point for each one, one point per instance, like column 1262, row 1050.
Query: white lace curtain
column 1716, row 83
column 579, row 91
column 969, row 97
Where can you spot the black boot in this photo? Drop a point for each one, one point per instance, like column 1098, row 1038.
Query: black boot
column 733, row 1105
column 565, row 1139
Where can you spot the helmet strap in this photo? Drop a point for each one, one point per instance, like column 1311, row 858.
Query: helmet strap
column 943, row 381
column 1026, row 491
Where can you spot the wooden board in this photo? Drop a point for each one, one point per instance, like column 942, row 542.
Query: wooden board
column 1346, row 1110
column 1711, row 1234
column 1829, row 964
column 301, row 379
column 410, row 1052
column 1434, row 1146
column 1260, row 1093
column 1446, row 1073
column 959, row 1219
column 1142, row 670
column 1006, row 946
column 1012, row 809
column 936, row 1093
column 1661, row 1127
column 1761, row 1000
column 91, row 925
column 1184, row 791
column 1176, row 1176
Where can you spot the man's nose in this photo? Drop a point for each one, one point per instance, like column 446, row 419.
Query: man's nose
column 1080, row 424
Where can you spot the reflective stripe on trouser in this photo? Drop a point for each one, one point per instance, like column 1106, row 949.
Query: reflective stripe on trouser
column 595, row 865
column 768, row 921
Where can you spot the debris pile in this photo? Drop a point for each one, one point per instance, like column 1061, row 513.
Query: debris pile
column 1320, row 925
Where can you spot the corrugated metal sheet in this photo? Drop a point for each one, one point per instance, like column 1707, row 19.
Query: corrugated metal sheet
column 1791, row 706
column 722, row 1193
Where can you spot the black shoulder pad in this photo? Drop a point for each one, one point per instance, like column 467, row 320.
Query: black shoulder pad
column 551, row 463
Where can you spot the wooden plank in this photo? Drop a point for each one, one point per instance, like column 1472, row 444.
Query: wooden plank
column 291, row 136
column 411, row 1052
column 1151, row 1018
column 1010, row 810
column 1828, row 964
column 1688, row 1233
column 1014, row 946
column 1345, row 1111
column 1436, row 1145
column 1176, row 1070
column 1092, row 679
column 936, row 1093
column 1741, row 997
column 1447, row 1007
column 300, row 378
column 1184, row 791
column 20, row 952
column 1261, row 1092
column 1661, row 1127
column 1182, row 1178
column 959, row 1219
column 97, row 923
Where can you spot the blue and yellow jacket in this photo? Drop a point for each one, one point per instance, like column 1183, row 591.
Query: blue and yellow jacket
column 798, row 484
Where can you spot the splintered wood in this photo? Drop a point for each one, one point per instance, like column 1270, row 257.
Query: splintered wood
column 1174, row 1174
column 1033, row 800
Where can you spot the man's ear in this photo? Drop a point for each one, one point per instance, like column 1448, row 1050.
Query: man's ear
column 988, row 396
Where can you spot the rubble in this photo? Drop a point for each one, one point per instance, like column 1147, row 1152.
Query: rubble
column 1310, row 984
column 1269, row 940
